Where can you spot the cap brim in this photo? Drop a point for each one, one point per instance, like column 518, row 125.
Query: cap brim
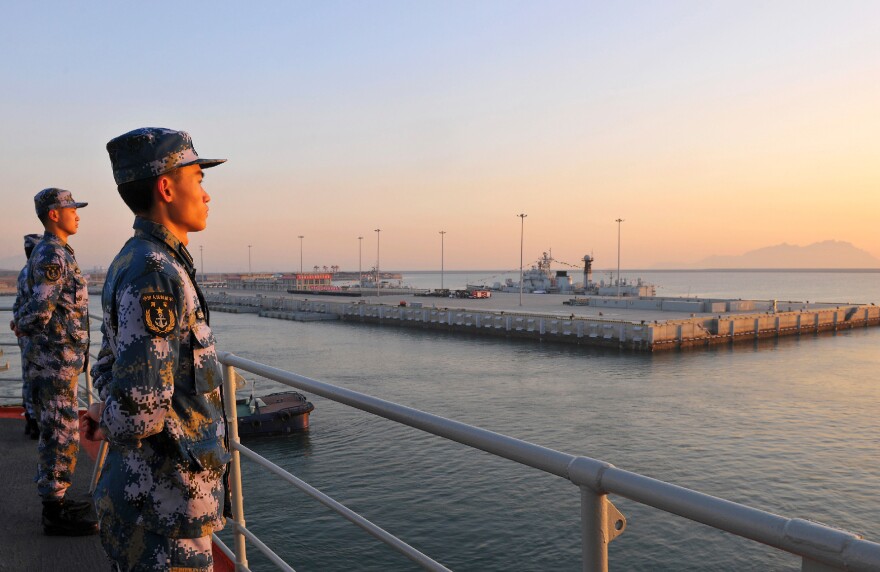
column 67, row 206
column 208, row 163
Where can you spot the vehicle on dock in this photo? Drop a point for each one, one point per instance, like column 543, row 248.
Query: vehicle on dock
column 469, row 293
column 274, row 414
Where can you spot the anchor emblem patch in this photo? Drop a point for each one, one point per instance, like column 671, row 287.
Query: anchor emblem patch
column 52, row 272
column 160, row 316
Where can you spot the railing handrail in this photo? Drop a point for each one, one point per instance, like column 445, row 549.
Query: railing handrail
column 241, row 533
column 810, row 540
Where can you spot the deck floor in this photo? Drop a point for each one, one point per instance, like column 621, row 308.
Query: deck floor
column 23, row 546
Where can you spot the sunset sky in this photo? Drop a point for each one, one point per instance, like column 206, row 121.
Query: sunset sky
column 711, row 128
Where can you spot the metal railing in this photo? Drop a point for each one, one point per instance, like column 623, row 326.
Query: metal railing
column 820, row 547
column 86, row 397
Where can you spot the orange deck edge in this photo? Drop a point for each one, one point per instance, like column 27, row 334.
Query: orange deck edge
column 11, row 412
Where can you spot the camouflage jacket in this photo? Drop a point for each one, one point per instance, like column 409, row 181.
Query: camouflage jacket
column 53, row 310
column 158, row 375
column 20, row 298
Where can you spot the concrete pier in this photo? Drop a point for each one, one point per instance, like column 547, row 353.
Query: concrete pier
column 642, row 324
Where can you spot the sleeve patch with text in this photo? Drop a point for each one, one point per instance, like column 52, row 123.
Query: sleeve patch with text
column 160, row 316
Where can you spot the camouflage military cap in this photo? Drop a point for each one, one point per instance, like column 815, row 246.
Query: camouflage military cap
column 53, row 198
column 152, row 151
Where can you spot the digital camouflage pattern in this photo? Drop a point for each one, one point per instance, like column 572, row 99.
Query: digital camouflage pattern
column 158, row 376
column 53, row 198
column 27, row 397
column 55, row 408
column 142, row 550
column 152, row 151
column 54, row 317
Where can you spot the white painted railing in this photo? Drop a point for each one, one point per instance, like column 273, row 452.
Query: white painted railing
column 820, row 547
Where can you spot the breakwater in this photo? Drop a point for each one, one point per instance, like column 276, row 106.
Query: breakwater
column 647, row 324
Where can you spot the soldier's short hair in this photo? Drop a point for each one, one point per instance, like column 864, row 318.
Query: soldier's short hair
column 138, row 195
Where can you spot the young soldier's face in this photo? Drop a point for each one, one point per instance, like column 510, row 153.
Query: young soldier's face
column 68, row 220
column 189, row 207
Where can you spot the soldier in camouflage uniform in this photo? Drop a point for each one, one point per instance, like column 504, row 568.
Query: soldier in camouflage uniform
column 54, row 319
column 162, row 488
column 31, row 428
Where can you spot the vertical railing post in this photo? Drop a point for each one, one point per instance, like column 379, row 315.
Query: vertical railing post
column 594, row 524
column 102, row 448
column 235, row 465
column 89, row 387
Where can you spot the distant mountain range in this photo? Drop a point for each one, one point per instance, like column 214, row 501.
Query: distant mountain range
column 825, row 254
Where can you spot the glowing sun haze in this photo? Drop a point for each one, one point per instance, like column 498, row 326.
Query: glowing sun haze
column 710, row 128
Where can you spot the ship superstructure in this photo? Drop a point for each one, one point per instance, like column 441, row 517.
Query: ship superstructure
column 541, row 279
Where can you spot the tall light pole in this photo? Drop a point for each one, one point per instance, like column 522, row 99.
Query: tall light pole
column 360, row 249
column 522, row 227
column 618, row 221
column 249, row 260
column 442, row 238
column 378, row 230
column 202, row 263
column 301, row 237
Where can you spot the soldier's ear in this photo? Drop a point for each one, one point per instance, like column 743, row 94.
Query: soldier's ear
column 164, row 186
column 54, row 215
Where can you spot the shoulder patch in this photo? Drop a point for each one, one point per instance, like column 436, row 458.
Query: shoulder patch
column 160, row 313
column 52, row 272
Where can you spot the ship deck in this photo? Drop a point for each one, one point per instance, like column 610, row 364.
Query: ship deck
column 23, row 546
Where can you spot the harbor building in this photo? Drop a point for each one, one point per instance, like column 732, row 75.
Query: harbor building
column 280, row 282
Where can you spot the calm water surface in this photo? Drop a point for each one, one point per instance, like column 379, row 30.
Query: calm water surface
column 788, row 426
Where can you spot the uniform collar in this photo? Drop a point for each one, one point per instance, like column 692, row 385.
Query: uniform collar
column 156, row 231
column 54, row 238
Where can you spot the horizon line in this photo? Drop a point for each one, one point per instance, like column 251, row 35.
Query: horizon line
column 863, row 270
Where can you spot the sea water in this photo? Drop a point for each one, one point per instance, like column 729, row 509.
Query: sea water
column 789, row 426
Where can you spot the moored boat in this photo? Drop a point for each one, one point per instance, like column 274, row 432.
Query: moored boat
column 274, row 414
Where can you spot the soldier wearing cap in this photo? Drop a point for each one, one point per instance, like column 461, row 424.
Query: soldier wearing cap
column 53, row 318
column 161, row 492
column 31, row 429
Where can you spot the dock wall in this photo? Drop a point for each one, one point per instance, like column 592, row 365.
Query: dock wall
column 507, row 324
column 582, row 330
column 743, row 327
column 676, row 304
